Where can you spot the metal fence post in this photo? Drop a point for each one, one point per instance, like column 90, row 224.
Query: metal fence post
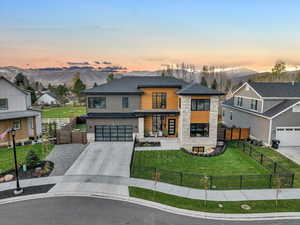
column 270, row 181
column 181, row 174
column 261, row 158
column 275, row 167
column 210, row 182
column 241, row 181
column 292, row 180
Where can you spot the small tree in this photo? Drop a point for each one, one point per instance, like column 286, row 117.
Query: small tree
column 32, row 160
column 203, row 81
column 214, row 84
column 95, row 85
column 278, row 69
column 110, row 77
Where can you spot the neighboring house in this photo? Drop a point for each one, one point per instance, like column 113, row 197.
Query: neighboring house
column 270, row 110
column 16, row 112
column 47, row 98
column 153, row 106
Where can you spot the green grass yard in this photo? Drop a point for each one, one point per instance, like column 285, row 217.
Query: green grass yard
column 67, row 111
column 213, row 206
column 7, row 159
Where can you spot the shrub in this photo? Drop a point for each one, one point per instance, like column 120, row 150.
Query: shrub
column 32, row 160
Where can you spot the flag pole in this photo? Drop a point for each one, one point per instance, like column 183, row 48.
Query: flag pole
column 18, row 189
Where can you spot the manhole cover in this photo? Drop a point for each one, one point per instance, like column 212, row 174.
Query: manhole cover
column 246, row 207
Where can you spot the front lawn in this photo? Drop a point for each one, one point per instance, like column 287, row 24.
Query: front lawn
column 7, row 158
column 262, row 206
column 67, row 111
column 219, row 172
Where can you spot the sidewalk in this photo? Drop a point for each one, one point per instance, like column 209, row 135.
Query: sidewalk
column 92, row 184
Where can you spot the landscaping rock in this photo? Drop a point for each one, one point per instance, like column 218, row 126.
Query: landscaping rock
column 246, row 207
column 2, row 179
column 8, row 177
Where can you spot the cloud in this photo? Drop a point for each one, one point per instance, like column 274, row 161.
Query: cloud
column 78, row 63
column 106, row 62
column 97, row 62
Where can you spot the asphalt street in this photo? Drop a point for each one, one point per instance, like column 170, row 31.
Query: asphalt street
column 92, row 211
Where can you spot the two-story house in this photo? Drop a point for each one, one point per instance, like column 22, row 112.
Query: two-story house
column 153, row 106
column 270, row 110
column 16, row 112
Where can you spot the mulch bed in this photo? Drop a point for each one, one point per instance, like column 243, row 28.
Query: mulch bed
column 27, row 191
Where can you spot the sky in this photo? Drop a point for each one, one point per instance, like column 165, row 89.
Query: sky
column 145, row 34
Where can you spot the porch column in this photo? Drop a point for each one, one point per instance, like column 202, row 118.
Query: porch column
column 141, row 127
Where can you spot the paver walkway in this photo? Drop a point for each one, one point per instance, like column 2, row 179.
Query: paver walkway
column 63, row 157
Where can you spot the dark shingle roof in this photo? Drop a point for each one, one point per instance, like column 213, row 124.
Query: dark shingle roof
column 269, row 113
column 197, row 89
column 280, row 90
column 131, row 85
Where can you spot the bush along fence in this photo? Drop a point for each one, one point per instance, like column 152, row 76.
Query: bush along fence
column 279, row 177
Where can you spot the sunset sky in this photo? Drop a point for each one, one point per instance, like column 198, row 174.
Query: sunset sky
column 144, row 34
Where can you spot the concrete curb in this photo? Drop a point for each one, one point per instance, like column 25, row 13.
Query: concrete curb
column 170, row 209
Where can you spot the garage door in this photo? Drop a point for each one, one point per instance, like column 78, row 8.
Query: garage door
column 288, row 136
column 113, row 133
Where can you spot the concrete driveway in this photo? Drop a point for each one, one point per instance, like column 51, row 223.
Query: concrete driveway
column 293, row 153
column 104, row 158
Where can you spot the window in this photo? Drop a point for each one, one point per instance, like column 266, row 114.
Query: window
column 179, row 103
column 254, row 104
column 157, row 123
column 200, row 104
column 159, row 100
column 125, row 102
column 97, row 102
column 199, row 130
column 239, row 101
column 198, row 149
column 3, row 104
column 223, row 112
column 17, row 124
column 231, row 115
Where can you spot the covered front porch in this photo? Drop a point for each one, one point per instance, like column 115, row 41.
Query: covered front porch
column 158, row 124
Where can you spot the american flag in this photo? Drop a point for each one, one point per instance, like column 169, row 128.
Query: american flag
column 2, row 136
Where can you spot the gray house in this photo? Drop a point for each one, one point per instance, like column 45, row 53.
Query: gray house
column 270, row 110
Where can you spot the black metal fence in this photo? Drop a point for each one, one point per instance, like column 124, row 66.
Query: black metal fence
column 279, row 177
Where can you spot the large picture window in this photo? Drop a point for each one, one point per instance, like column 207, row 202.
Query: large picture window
column 97, row 102
column 3, row 104
column 199, row 130
column 200, row 104
column 159, row 100
column 157, row 123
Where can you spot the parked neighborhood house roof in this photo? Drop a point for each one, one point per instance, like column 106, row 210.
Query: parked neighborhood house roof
column 131, row 85
column 280, row 90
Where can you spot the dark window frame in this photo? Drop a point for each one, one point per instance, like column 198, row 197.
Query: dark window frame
column 4, row 105
column 199, row 129
column 125, row 102
column 200, row 105
column 254, row 104
column 239, row 101
column 198, row 149
column 159, row 100
column 19, row 123
column 157, row 122
column 91, row 102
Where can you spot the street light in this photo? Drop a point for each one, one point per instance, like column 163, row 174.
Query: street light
column 18, row 190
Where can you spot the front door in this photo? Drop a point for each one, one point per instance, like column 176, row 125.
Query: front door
column 171, row 126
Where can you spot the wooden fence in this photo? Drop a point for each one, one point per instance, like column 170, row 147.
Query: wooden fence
column 67, row 135
column 227, row 134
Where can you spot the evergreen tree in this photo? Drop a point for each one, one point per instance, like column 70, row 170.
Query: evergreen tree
column 32, row 94
column 78, row 87
column 214, row 84
column 95, row 85
column 32, row 160
column 21, row 80
column 203, row 81
column 110, row 77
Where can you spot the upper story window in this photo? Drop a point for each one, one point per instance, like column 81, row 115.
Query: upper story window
column 125, row 102
column 3, row 104
column 200, row 104
column 254, row 103
column 199, row 130
column 239, row 101
column 97, row 102
column 159, row 100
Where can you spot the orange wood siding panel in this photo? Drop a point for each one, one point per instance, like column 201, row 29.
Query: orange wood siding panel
column 199, row 116
column 148, row 123
column 172, row 97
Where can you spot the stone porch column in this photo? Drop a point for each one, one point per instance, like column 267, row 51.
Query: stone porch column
column 141, row 127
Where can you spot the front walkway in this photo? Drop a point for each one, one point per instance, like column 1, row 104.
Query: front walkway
column 293, row 153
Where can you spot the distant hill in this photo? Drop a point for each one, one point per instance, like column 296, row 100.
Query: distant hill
column 287, row 76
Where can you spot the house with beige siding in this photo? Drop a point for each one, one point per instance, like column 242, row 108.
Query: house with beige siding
column 153, row 107
column 270, row 110
column 16, row 112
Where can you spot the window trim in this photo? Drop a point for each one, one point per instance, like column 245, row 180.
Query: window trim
column 155, row 120
column 205, row 135
column 198, row 149
column 197, row 105
column 19, row 124
column 6, row 104
column 159, row 100
column 125, row 106
column 254, row 104
column 239, row 101
column 90, row 106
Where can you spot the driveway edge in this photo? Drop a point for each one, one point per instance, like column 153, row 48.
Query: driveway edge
column 170, row 209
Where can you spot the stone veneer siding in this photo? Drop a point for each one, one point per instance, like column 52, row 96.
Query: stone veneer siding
column 188, row 142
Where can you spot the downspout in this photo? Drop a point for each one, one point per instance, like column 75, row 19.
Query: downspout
column 270, row 132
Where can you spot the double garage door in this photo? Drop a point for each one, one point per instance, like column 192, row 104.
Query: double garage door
column 288, row 136
column 113, row 133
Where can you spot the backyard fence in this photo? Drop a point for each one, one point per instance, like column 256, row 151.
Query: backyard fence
column 67, row 134
column 278, row 176
column 228, row 134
